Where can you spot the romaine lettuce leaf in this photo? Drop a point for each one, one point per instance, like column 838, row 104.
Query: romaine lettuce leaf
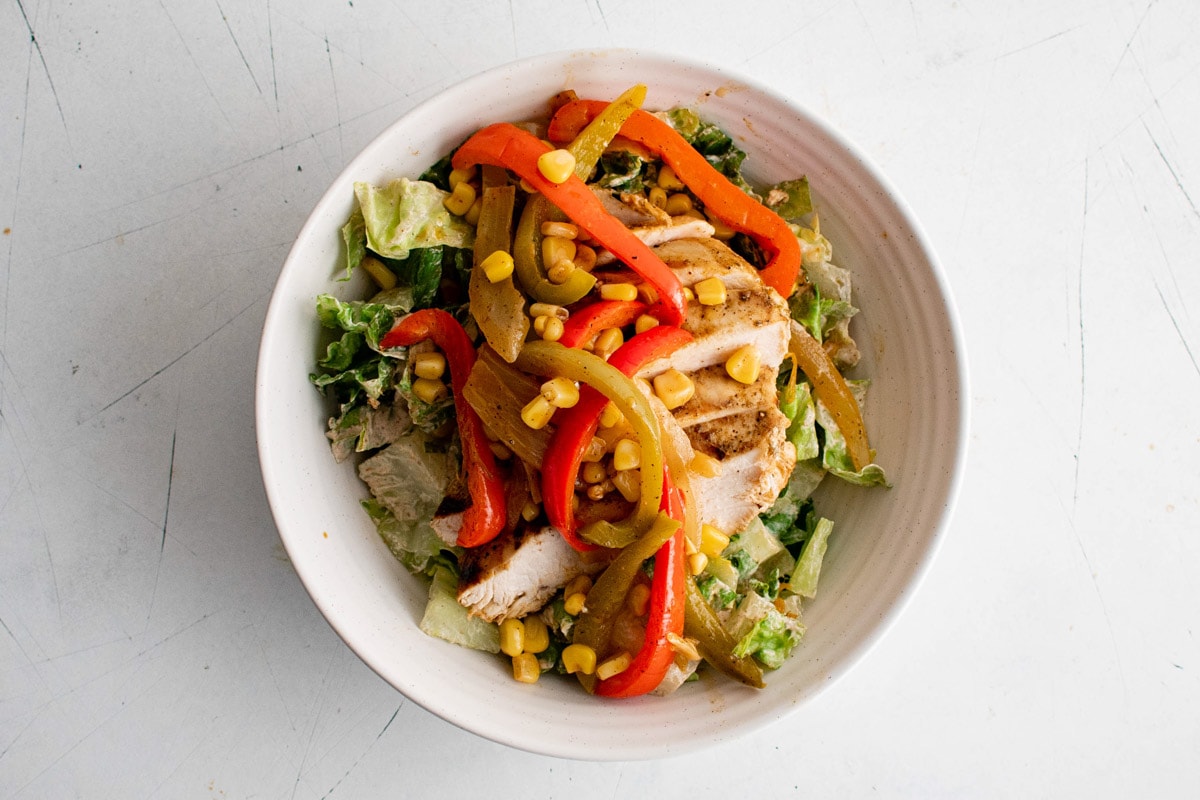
column 446, row 619
column 790, row 199
column 808, row 567
column 835, row 457
column 408, row 215
column 413, row 542
column 409, row 477
column 763, row 632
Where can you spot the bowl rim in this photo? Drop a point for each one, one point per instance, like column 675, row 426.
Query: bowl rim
column 558, row 60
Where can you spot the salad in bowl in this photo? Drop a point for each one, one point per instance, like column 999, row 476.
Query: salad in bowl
column 591, row 389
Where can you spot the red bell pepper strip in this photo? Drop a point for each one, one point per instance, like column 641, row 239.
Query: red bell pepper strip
column 665, row 612
column 721, row 198
column 582, row 325
column 577, row 425
column 506, row 145
column 486, row 515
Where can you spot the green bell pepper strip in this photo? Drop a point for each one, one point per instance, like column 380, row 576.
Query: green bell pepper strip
column 506, row 145
column 487, row 514
column 590, row 143
column 604, row 602
column 575, row 427
column 551, row 358
column 527, row 258
column 665, row 614
column 714, row 642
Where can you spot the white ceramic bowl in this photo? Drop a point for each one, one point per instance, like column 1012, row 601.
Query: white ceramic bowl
column 883, row 542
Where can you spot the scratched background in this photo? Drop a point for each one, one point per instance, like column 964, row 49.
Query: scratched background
column 157, row 158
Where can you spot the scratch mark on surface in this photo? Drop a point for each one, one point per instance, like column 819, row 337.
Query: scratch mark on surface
column 15, row 206
column 1175, row 323
column 177, row 358
column 603, row 15
column 1171, row 169
column 42, row 57
column 337, row 106
column 1129, row 42
column 196, row 64
column 312, row 733
column 371, row 746
column 167, row 506
column 1041, row 41
column 237, row 44
column 512, row 25
column 1082, row 353
column 271, row 49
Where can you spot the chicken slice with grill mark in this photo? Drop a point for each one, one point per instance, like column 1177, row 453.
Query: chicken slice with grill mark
column 718, row 395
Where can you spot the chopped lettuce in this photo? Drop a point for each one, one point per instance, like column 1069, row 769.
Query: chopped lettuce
column 446, row 619
column 409, row 477
column 365, row 428
column 409, row 215
column 354, row 369
column 819, row 313
column 790, row 199
column 763, row 632
column 796, row 403
column 714, row 144
column 716, row 591
column 413, row 542
column 808, row 568
column 621, row 170
column 835, row 457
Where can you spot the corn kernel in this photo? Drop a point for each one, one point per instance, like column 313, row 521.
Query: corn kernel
column 560, row 273
column 673, row 388
column 593, row 472
column 580, row 584
column 595, row 450
column 472, row 215
column 585, row 257
column 618, row 291
column 512, row 637
column 574, row 604
column 611, row 415
column 627, row 455
column 530, row 510
column 647, row 294
column 579, row 658
column 607, row 342
column 705, row 465
column 614, row 666
column 457, row 176
column 629, row 484
column 537, row 637
column 668, row 180
column 557, row 165
column 460, row 200
column 685, row 647
column 710, row 292
column 720, row 229
column 548, row 310
column 561, row 392
column 688, row 294
column 497, row 266
column 697, row 562
column 638, row 599
column 566, row 230
column 556, row 249
column 526, row 668
column 537, row 413
column 678, row 204
column 712, row 540
column 658, row 197
column 384, row 278
column 429, row 391
column 552, row 330
column 644, row 323
column 742, row 366
column 430, row 365
column 596, row 492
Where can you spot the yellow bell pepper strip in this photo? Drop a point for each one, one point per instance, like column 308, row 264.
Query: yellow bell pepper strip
column 498, row 308
column 665, row 614
column 527, row 258
column 713, row 641
column 486, row 515
column 506, row 145
column 830, row 388
column 585, row 323
column 577, row 425
column 721, row 198
column 590, row 143
column 551, row 358
column 595, row 625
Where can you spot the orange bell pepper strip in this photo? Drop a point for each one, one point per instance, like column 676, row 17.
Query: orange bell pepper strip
column 486, row 515
column 665, row 614
column 505, row 145
column 721, row 198
column 576, row 426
